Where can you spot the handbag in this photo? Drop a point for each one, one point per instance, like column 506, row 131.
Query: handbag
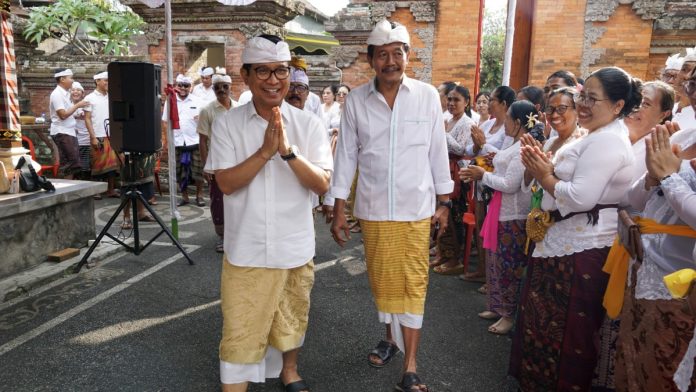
column 29, row 180
column 629, row 235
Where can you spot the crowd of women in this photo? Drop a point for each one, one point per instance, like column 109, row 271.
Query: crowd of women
column 556, row 182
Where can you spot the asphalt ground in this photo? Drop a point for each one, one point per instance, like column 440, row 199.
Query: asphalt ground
column 151, row 322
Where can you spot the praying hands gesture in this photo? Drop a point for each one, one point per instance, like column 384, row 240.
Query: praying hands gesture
column 275, row 139
column 478, row 137
column 528, row 140
column 538, row 164
column 661, row 158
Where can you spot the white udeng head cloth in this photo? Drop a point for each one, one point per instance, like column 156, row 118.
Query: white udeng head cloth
column 690, row 54
column 183, row 79
column 259, row 50
column 102, row 75
column 383, row 34
column 208, row 71
column 222, row 79
column 67, row 72
column 298, row 75
column 77, row 86
column 220, row 71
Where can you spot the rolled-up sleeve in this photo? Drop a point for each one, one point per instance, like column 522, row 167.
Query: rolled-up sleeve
column 439, row 159
column 222, row 153
column 346, row 160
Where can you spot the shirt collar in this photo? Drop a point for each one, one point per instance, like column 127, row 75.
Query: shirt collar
column 219, row 105
column 251, row 110
column 188, row 98
column 406, row 83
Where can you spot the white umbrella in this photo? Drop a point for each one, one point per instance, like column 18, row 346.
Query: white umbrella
column 170, row 78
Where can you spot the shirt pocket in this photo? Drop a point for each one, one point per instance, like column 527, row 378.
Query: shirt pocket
column 416, row 131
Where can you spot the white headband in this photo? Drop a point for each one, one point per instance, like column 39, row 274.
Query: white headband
column 207, row 71
column 690, row 54
column 383, row 34
column 298, row 75
column 77, row 86
column 220, row 71
column 259, row 50
column 102, row 75
column 67, row 72
column 183, row 79
column 222, row 79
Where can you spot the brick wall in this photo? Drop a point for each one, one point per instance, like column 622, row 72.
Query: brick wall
column 626, row 41
column 456, row 40
column 557, row 38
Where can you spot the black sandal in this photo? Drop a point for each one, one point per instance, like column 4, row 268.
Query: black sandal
column 410, row 382
column 297, row 386
column 385, row 351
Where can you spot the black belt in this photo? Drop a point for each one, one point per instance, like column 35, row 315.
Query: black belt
column 592, row 215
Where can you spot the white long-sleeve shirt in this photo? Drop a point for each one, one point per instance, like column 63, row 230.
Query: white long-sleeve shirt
column 597, row 169
column 507, row 177
column 401, row 153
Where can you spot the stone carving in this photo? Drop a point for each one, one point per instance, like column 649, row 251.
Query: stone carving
column 381, row 10
column 600, row 10
column 590, row 55
column 425, row 54
column 650, row 9
column 344, row 56
column 154, row 33
column 426, row 35
column 424, row 11
column 251, row 30
column 424, row 74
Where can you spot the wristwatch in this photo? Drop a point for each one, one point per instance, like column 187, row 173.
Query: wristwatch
column 447, row 204
column 294, row 152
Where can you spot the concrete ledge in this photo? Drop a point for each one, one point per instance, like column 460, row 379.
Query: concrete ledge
column 32, row 225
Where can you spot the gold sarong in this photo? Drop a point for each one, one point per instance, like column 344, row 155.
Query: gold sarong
column 397, row 264
column 262, row 306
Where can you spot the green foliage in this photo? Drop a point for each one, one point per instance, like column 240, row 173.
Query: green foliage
column 493, row 49
column 90, row 26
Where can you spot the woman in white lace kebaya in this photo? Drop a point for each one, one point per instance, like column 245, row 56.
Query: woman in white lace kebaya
column 503, row 231
column 458, row 128
column 561, row 311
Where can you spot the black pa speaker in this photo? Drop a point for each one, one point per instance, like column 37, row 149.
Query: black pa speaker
column 134, row 106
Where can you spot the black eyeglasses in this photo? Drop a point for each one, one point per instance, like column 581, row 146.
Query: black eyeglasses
column 298, row 88
column 184, row 85
column 221, row 87
column 281, row 73
column 584, row 100
column 560, row 109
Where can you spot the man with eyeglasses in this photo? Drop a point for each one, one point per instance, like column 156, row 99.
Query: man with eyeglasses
column 204, row 90
column 299, row 89
column 223, row 103
column 188, row 157
column 269, row 158
column 684, row 114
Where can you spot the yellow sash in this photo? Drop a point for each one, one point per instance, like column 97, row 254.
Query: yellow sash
column 617, row 261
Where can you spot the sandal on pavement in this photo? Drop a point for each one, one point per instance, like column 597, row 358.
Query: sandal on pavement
column 220, row 246
column 444, row 269
column 497, row 330
column 146, row 218
column 127, row 224
column 410, row 382
column 297, row 386
column 385, row 351
column 182, row 203
column 200, row 202
column 488, row 315
column 483, row 289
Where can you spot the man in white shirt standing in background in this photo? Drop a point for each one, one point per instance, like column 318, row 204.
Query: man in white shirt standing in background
column 186, row 140
column 268, row 158
column 393, row 132
column 204, row 90
column 104, row 162
column 63, row 123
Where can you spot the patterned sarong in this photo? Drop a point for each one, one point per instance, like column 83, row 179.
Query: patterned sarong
column 104, row 160
column 397, row 264
column 505, row 268
column 560, row 315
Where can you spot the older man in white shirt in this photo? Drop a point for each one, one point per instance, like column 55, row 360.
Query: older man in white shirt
column 222, row 85
column 393, row 132
column 204, row 90
column 269, row 158
column 63, row 123
column 186, row 140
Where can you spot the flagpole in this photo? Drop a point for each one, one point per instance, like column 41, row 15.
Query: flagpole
column 170, row 132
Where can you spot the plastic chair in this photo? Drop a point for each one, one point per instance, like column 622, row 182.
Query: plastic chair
column 469, row 220
column 29, row 144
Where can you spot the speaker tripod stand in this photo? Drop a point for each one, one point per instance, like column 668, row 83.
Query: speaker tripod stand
column 132, row 195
